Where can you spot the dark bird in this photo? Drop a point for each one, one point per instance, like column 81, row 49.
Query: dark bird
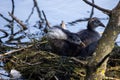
column 66, row 43
column 89, row 35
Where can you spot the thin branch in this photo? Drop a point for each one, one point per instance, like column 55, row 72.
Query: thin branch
column 18, row 21
column 27, row 63
column 4, row 75
column 20, row 43
column 80, row 61
column 30, row 14
column 6, row 34
column 110, row 78
column 106, row 11
column 13, row 7
column 20, row 31
column 92, row 10
column 78, row 20
column 12, row 21
column 116, row 68
column 15, row 39
column 38, row 10
column 47, row 23
column 85, row 19
column 8, row 20
column 14, row 51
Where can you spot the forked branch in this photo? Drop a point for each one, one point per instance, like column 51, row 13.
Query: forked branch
column 106, row 11
column 18, row 21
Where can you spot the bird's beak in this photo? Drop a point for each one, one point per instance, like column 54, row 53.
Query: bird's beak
column 101, row 24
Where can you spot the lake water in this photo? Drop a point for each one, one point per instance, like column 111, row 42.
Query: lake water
column 56, row 11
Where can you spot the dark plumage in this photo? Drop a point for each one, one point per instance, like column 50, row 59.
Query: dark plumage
column 89, row 35
column 66, row 43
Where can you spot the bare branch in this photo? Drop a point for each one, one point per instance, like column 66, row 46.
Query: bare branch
column 15, row 39
column 8, row 20
column 47, row 23
column 13, row 7
column 78, row 20
column 18, row 43
column 85, row 19
column 78, row 60
column 18, row 21
column 20, row 31
column 38, row 10
column 14, row 51
column 92, row 10
column 6, row 34
column 30, row 14
column 106, row 11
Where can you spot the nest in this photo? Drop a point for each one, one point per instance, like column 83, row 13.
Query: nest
column 38, row 62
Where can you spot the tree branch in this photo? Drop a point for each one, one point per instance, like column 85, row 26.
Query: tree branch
column 38, row 10
column 8, row 20
column 14, row 51
column 13, row 7
column 30, row 14
column 92, row 10
column 106, row 11
column 47, row 23
column 6, row 34
column 18, row 21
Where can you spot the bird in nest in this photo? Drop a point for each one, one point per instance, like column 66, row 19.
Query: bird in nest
column 82, row 43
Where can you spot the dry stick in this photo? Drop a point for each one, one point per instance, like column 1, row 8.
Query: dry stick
column 18, row 21
column 80, row 61
column 110, row 78
column 30, row 14
column 47, row 23
column 24, row 62
column 78, row 20
column 116, row 68
column 106, row 11
column 85, row 19
column 12, row 21
column 8, row 20
column 6, row 34
column 38, row 10
column 13, row 7
column 92, row 10
column 14, row 51
column 15, row 39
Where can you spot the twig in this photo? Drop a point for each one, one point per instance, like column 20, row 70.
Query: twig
column 4, row 75
column 13, row 7
column 13, row 43
column 80, row 61
column 38, row 10
column 85, row 19
column 116, row 68
column 47, row 23
column 12, row 21
column 30, row 64
column 30, row 14
column 110, row 78
column 92, row 10
column 78, row 20
column 18, row 21
column 14, row 51
column 106, row 11
column 8, row 20
column 6, row 34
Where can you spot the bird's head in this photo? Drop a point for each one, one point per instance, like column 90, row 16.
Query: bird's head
column 94, row 23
